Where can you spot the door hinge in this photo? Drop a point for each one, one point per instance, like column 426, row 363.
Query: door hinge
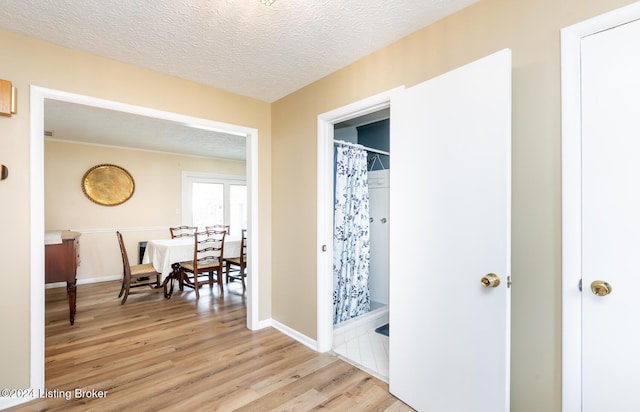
column 580, row 285
column 324, row 248
column 508, row 282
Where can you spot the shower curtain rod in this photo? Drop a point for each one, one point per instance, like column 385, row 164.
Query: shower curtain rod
column 368, row 149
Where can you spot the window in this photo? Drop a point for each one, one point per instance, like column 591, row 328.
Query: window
column 207, row 205
column 237, row 208
column 209, row 199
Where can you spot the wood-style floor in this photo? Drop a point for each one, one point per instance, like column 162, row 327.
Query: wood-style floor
column 184, row 354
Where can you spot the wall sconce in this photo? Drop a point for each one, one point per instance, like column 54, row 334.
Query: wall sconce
column 8, row 98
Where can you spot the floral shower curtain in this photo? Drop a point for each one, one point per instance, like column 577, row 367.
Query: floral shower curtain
column 351, row 234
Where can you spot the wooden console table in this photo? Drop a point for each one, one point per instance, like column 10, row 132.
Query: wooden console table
column 61, row 260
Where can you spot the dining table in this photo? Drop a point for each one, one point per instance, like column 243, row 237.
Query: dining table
column 166, row 254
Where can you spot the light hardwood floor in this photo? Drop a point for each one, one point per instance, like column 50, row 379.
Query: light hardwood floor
column 184, row 354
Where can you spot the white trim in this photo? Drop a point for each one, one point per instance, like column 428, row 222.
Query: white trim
column 253, row 253
column 36, row 184
column 304, row 339
column 326, row 122
column 267, row 323
column 571, row 197
column 38, row 95
column 6, row 403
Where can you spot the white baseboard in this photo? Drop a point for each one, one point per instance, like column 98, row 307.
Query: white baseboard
column 262, row 324
column 6, row 403
column 305, row 340
column 84, row 281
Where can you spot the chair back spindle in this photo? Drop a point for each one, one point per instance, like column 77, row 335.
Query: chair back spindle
column 182, row 231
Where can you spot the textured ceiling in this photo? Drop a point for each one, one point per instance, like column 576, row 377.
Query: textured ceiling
column 73, row 122
column 242, row 46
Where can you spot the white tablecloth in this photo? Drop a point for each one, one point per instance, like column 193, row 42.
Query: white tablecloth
column 162, row 253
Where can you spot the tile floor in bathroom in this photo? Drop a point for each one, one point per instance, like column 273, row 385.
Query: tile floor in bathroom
column 369, row 351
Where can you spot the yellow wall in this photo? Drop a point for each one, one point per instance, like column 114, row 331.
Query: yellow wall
column 154, row 206
column 531, row 29
column 27, row 62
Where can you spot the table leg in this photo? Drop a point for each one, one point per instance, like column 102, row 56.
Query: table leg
column 173, row 276
column 71, row 296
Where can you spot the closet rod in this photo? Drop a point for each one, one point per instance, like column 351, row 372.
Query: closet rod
column 368, row 149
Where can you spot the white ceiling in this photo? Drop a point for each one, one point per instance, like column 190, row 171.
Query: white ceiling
column 242, row 46
column 86, row 124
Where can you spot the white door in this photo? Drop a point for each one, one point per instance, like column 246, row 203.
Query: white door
column 450, row 207
column 610, row 69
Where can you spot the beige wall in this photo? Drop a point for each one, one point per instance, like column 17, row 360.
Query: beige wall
column 28, row 62
column 532, row 30
column 154, row 206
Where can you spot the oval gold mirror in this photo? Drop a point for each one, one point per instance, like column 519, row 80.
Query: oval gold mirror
column 108, row 185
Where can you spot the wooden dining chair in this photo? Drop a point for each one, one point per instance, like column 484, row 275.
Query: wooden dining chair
column 208, row 255
column 239, row 264
column 137, row 275
column 182, row 231
column 218, row 227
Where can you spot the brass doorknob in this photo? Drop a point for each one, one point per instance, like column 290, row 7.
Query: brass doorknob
column 490, row 281
column 600, row 288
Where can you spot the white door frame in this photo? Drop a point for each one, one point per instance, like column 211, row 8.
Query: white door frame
column 38, row 95
column 326, row 122
column 571, row 197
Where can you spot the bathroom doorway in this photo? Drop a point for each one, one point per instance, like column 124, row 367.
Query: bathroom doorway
column 360, row 336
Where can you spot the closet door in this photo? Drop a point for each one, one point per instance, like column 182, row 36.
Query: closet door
column 610, row 208
column 450, row 207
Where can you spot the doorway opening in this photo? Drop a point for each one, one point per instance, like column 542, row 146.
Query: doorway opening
column 329, row 125
column 360, row 331
column 37, row 97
